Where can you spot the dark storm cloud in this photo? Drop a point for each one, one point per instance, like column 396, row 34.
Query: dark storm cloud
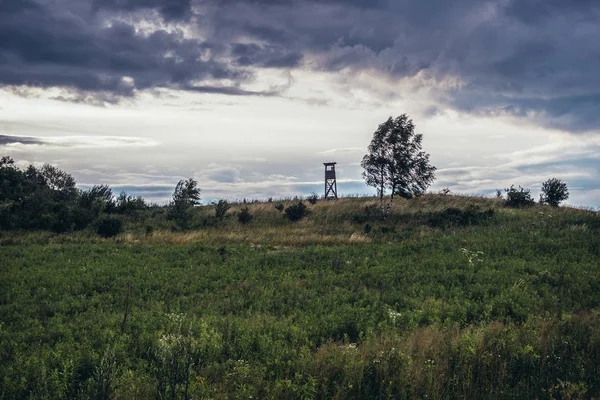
column 529, row 58
column 229, row 90
column 55, row 46
column 77, row 141
column 264, row 56
column 532, row 58
column 7, row 140
column 170, row 10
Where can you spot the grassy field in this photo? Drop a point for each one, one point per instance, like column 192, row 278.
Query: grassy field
column 452, row 297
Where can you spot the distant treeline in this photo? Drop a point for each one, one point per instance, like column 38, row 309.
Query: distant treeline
column 46, row 198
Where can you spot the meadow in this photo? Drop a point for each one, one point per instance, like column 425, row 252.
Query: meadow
column 451, row 297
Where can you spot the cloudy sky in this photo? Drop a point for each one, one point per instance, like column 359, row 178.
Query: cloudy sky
column 250, row 97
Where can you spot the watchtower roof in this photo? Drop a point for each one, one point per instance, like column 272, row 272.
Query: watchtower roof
column 329, row 163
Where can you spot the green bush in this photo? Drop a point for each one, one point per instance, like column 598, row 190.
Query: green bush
column 518, row 198
column 108, row 226
column 370, row 213
column 279, row 207
column 296, row 212
column 313, row 198
column 244, row 216
column 457, row 217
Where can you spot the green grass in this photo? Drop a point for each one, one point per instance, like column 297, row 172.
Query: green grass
column 436, row 303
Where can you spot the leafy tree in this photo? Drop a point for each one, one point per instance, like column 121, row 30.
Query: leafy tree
column 221, row 209
column 554, row 191
column 518, row 198
column 59, row 182
column 6, row 161
column 395, row 161
column 12, row 190
column 99, row 198
column 36, row 198
column 185, row 197
column 129, row 204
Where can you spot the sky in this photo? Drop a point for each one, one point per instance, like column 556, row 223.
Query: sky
column 251, row 97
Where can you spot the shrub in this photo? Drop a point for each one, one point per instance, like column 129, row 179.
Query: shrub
column 108, row 226
column 129, row 205
column 221, row 208
column 457, row 217
column 279, row 207
column 149, row 230
column 244, row 216
column 296, row 212
column 370, row 213
column 359, row 219
column 518, row 198
column 313, row 198
column 554, row 191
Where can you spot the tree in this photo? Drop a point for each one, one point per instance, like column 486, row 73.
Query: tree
column 221, row 209
column 395, row 161
column 554, row 191
column 518, row 198
column 99, row 198
column 185, row 197
column 125, row 204
column 6, row 161
column 59, row 182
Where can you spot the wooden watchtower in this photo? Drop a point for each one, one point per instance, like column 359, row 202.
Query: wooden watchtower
column 330, row 182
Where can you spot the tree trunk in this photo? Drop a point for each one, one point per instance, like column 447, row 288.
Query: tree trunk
column 389, row 206
column 382, row 204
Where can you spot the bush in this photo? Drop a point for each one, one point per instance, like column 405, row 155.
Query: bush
column 279, row 207
column 149, row 230
column 518, row 198
column 370, row 213
column 296, row 212
column 457, row 217
column 313, row 198
column 244, row 216
column 221, row 209
column 359, row 219
column 554, row 191
column 129, row 205
column 109, row 226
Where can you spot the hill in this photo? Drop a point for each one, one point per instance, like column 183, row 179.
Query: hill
column 451, row 297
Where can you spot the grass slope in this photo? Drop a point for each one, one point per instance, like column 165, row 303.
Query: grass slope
column 452, row 297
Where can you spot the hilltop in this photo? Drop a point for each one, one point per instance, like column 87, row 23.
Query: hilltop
column 339, row 222
column 450, row 297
